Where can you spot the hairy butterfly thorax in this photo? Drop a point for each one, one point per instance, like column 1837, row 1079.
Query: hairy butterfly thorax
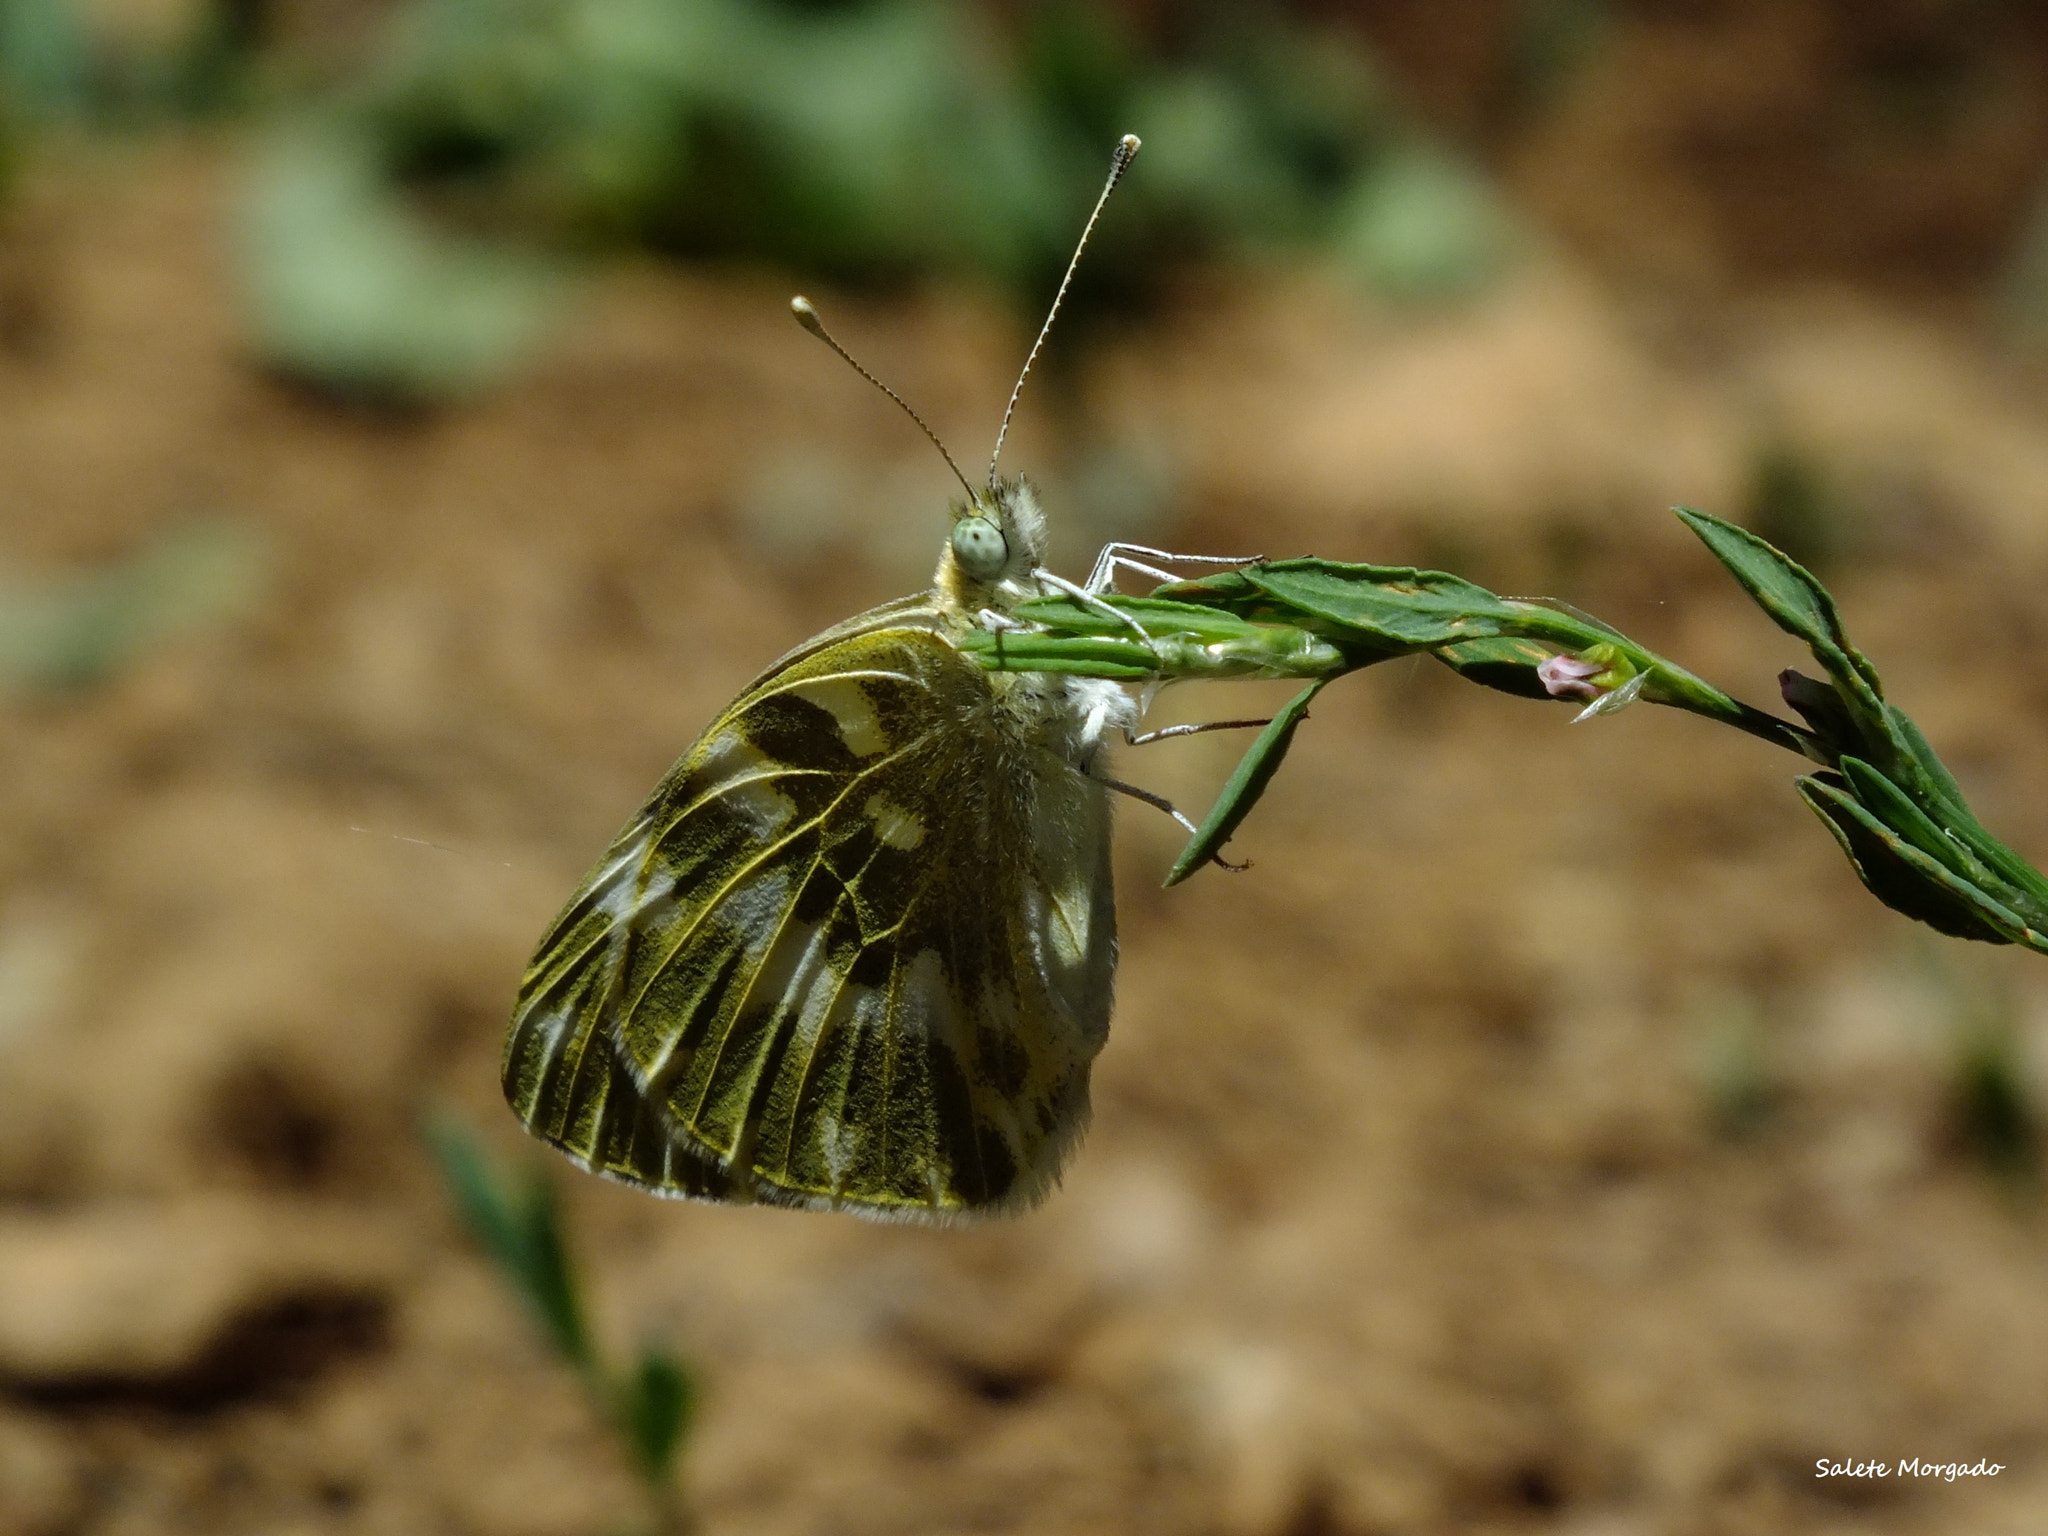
column 989, row 565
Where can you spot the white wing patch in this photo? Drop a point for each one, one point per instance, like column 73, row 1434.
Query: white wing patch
column 751, row 908
column 843, row 699
column 621, row 894
column 615, row 889
column 926, row 1004
column 894, row 825
column 864, row 1011
column 742, row 774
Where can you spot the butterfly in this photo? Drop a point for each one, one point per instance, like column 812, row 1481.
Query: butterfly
column 857, row 949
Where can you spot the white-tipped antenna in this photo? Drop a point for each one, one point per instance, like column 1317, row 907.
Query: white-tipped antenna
column 1126, row 152
column 807, row 317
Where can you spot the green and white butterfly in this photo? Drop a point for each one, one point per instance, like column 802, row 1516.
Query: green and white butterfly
column 857, row 950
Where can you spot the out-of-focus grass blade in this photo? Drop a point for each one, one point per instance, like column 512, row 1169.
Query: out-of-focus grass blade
column 550, row 1279
column 1994, row 1110
column 1247, row 782
column 522, row 1231
column 486, row 1208
column 659, row 1401
column 1732, row 1060
column 649, row 1407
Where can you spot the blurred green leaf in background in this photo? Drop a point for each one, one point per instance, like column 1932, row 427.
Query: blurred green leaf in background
column 350, row 287
column 878, row 141
column 517, row 1221
column 108, row 66
column 73, row 631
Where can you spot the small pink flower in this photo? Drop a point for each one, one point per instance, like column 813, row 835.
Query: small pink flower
column 1570, row 677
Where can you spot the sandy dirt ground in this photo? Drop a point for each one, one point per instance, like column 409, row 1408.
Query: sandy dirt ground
column 1545, row 1134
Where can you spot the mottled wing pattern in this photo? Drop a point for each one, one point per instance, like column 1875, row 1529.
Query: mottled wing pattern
column 856, row 950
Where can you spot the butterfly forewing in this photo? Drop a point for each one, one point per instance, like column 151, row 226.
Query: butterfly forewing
column 855, row 950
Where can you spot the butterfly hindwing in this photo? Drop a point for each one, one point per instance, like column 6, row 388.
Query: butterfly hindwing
column 855, row 950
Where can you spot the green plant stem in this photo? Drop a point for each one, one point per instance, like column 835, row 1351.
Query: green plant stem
column 1669, row 683
column 1884, row 795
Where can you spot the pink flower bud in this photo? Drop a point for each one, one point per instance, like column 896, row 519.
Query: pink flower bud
column 1570, row 677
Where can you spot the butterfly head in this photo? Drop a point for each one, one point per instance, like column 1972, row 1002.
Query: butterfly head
column 998, row 537
column 998, row 540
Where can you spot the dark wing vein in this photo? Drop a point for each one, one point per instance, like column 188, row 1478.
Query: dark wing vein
column 711, row 902
column 806, row 1079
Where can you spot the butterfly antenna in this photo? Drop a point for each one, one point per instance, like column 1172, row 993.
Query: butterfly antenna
column 1126, row 152
column 807, row 317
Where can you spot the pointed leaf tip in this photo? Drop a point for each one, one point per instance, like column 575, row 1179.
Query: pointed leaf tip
column 1247, row 782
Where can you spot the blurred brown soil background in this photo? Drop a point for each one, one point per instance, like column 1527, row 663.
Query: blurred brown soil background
column 1546, row 1134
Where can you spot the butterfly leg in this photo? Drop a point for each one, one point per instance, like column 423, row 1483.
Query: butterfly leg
column 1117, row 556
column 1089, row 599
column 1161, row 803
column 1140, row 739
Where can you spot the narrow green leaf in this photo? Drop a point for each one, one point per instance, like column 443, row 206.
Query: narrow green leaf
column 1907, row 735
column 1939, row 793
column 1215, row 645
column 1224, row 589
column 1798, row 604
column 1904, row 878
column 1157, row 616
column 658, row 1402
column 1089, row 655
column 1598, row 628
column 1247, row 782
column 1396, row 606
column 1506, row 665
column 1830, row 722
column 1784, row 589
column 1891, row 806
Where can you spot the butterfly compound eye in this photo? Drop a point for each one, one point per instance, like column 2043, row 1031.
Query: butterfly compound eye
column 980, row 547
